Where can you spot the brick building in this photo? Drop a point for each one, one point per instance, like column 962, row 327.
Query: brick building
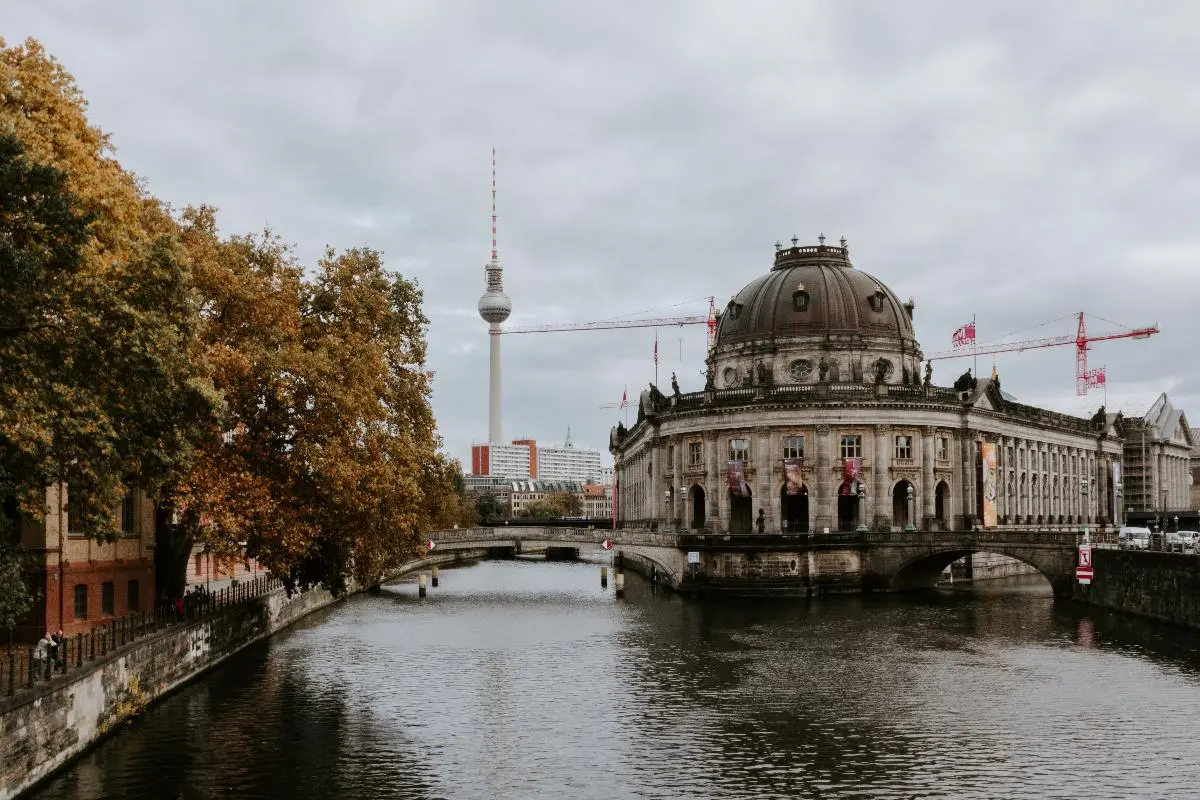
column 80, row 582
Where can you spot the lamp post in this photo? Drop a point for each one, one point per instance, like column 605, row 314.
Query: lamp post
column 910, row 526
column 1083, row 505
column 862, row 499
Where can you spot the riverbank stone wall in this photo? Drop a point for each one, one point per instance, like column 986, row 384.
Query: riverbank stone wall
column 1162, row 586
column 42, row 731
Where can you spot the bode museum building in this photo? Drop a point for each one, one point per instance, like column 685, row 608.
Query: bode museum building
column 818, row 413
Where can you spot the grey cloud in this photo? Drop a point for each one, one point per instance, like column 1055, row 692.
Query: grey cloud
column 1016, row 161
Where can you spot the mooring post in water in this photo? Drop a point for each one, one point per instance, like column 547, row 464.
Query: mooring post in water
column 421, row 585
column 434, row 576
column 619, row 584
column 604, row 577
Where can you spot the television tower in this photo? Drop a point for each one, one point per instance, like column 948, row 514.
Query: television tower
column 494, row 307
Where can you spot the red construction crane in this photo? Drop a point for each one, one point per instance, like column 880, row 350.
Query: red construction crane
column 1085, row 379
column 656, row 322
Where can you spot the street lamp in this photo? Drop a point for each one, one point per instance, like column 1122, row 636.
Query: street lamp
column 862, row 499
column 1083, row 504
column 910, row 526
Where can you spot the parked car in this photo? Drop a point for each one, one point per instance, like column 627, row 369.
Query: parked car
column 1191, row 540
column 1134, row 538
column 1174, row 542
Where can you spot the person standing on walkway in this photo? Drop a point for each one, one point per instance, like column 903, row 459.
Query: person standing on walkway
column 41, row 656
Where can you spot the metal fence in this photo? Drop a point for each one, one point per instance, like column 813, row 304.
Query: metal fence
column 21, row 670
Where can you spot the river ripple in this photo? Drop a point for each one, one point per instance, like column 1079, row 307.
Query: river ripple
column 527, row 680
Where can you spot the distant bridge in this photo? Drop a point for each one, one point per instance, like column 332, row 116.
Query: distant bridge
column 792, row 563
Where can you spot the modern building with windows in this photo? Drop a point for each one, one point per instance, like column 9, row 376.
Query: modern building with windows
column 817, row 415
column 524, row 459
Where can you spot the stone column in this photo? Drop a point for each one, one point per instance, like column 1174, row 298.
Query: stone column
column 716, row 494
column 657, row 504
column 881, row 500
column 967, row 480
column 927, row 482
column 765, row 496
column 826, row 501
column 678, row 481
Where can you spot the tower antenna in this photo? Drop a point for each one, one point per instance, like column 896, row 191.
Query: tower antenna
column 494, row 307
column 495, row 258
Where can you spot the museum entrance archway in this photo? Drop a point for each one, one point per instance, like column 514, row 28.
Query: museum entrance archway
column 941, row 502
column 697, row 493
column 793, row 510
column 901, row 504
column 847, row 511
column 741, row 513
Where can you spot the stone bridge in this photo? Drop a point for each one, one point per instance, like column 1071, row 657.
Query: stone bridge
column 801, row 563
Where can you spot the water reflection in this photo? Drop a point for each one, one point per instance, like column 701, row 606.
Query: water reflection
column 528, row 680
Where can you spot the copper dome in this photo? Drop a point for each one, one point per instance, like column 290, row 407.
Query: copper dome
column 814, row 291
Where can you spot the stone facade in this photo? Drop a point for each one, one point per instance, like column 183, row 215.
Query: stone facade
column 1157, row 461
column 816, row 361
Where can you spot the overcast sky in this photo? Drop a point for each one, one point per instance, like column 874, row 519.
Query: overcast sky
column 1019, row 162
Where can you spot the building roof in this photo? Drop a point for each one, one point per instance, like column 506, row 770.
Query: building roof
column 840, row 299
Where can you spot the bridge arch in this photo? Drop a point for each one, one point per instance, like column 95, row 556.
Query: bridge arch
column 922, row 571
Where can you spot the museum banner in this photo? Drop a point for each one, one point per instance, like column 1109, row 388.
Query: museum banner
column 793, row 470
column 851, row 468
column 737, row 479
column 987, row 457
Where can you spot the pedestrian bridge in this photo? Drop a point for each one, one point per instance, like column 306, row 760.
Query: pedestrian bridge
column 790, row 563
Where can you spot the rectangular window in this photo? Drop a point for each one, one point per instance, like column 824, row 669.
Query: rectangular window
column 199, row 570
column 127, row 507
column 1043, row 461
column 696, row 453
column 75, row 511
column 851, row 447
column 133, row 596
column 670, row 456
column 793, row 447
column 81, row 600
column 107, row 599
column 904, row 447
column 739, row 449
column 943, row 448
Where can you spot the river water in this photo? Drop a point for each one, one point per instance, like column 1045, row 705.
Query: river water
column 527, row 680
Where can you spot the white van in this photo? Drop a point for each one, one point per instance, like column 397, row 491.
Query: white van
column 1134, row 538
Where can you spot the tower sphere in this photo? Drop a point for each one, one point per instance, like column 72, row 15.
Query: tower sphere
column 494, row 306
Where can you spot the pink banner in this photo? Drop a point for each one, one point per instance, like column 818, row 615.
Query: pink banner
column 737, row 479
column 851, row 467
column 964, row 335
column 793, row 470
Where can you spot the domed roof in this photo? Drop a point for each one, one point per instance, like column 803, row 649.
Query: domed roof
column 813, row 291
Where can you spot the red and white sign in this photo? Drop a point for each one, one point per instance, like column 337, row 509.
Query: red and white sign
column 964, row 335
column 1083, row 571
column 606, row 544
column 430, row 544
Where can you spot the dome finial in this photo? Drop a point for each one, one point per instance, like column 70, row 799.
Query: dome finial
column 821, row 239
column 795, row 240
column 843, row 241
column 778, row 245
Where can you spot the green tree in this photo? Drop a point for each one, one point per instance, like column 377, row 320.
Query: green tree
column 98, row 388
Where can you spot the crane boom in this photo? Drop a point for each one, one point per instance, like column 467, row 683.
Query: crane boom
column 659, row 322
column 1084, row 378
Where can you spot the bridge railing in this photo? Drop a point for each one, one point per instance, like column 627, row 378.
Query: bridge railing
column 582, row 536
